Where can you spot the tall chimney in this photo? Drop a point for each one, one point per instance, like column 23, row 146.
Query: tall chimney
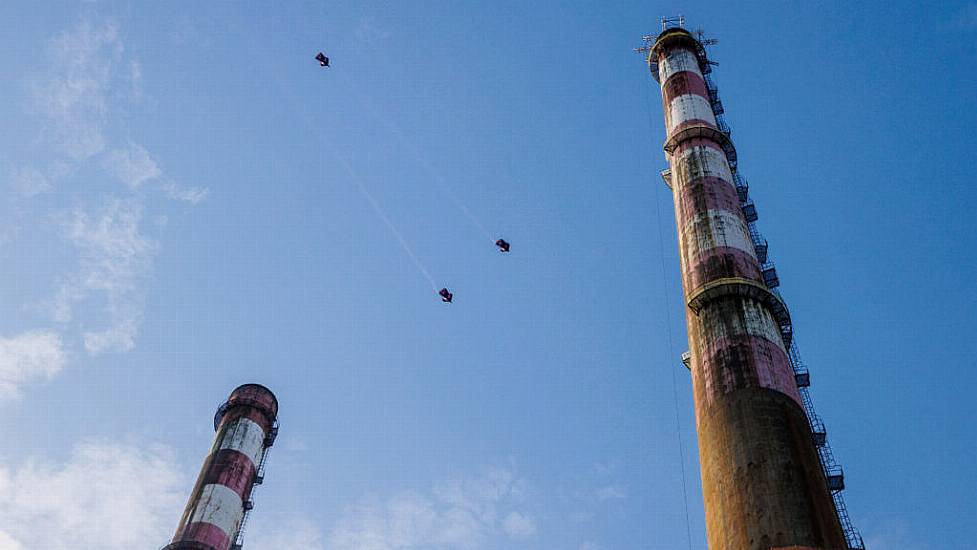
column 763, row 483
column 246, row 426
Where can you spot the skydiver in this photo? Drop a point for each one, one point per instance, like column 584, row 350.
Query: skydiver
column 445, row 295
column 322, row 59
column 503, row 246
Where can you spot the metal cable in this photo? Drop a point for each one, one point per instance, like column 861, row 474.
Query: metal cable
column 671, row 347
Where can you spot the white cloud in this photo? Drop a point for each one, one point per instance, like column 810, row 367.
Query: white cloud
column 294, row 444
column 86, row 81
column 119, row 337
column 115, row 257
column 8, row 234
column 605, row 468
column 32, row 355
column 8, row 543
column 132, row 165
column 135, row 80
column 193, row 195
column 113, row 495
column 519, row 526
column 90, row 80
column 107, row 495
column 61, row 305
column 461, row 514
column 74, row 98
column 113, row 251
column 187, row 32
column 590, row 502
column 29, row 182
column 611, row 492
column 368, row 35
column 298, row 534
column 892, row 534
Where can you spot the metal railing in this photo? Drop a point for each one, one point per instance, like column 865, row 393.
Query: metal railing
column 259, row 478
column 833, row 473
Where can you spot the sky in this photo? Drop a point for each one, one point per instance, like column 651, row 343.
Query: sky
column 191, row 203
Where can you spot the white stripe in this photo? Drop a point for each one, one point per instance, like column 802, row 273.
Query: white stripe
column 700, row 162
column 246, row 436
column 712, row 229
column 689, row 107
column 221, row 506
column 678, row 60
column 753, row 320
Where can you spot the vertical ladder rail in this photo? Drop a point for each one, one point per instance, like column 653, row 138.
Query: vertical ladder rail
column 259, row 478
column 833, row 473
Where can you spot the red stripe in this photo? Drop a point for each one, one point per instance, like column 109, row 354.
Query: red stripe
column 718, row 263
column 206, row 533
column 188, row 545
column 232, row 469
column 252, row 401
column 745, row 361
column 682, row 83
column 692, row 122
column 256, row 396
column 708, row 193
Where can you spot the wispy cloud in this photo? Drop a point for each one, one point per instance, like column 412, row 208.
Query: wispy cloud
column 27, row 182
column 892, row 535
column 193, row 195
column 368, row 35
column 114, row 259
column 461, row 514
column 593, row 497
column 611, row 492
column 81, row 99
column 7, row 235
column 106, row 495
column 73, row 97
column 132, row 165
column 8, row 543
column 294, row 444
column 186, row 31
column 30, row 356
column 296, row 533
column 519, row 526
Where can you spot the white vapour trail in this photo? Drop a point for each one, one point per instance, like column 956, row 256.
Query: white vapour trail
column 406, row 143
column 327, row 143
column 383, row 216
column 420, row 159
column 369, row 197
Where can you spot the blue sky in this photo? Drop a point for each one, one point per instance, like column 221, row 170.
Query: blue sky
column 178, row 219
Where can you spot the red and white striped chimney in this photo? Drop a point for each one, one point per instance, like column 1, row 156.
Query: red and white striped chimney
column 246, row 427
column 762, row 480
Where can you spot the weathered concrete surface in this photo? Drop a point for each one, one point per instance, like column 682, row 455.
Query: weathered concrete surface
column 762, row 482
column 216, row 507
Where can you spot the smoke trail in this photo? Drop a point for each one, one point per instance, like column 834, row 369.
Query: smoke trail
column 383, row 216
column 445, row 188
column 307, row 119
